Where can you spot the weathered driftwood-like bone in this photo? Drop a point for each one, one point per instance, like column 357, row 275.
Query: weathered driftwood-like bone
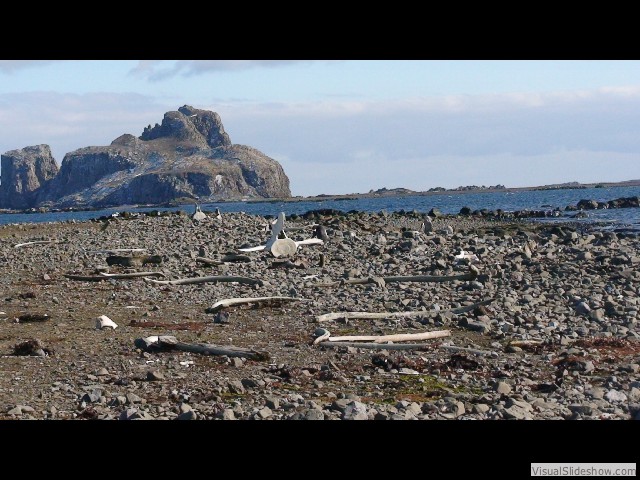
column 402, row 337
column 525, row 343
column 231, row 302
column 135, row 261
column 111, row 276
column 124, row 276
column 167, row 342
column 377, row 346
column 309, row 241
column 188, row 281
column 472, row 275
column 118, row 250
column 419, row 313
column 36, row 242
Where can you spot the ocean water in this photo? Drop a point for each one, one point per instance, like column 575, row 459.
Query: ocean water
column 623, row 218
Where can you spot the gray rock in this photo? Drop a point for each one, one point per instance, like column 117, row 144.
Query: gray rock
column 313, row 414
column 272, row 402
column 415, row 408
column 503, row 388
column 93, row 396
column 129, row 414
column 265, row 412
column 355, row 411
column 582, row 308
column 475, row 326
column 630, row 367
column 581, row 409
column 615, row 396
column 155, row 376
column 515, row 412
column 340, row 404
column 235, row 386
column 595, row 392
column 481, row 408
column 585, row 256
column 458, row 409
column 188, row 415
column 249, row 383
column 227, row 414
column 526, row 406
column 133, row 398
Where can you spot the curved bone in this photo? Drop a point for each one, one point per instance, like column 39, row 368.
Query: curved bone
column 112, row 276
column 310, row 241
column 375, row 315
column 402, row 337
column 37, row 242
column 472, row 275
column 122, row 276
column 377, row 346
column 187, row 281
column 230, row 302
column 275, row 230
column 118, row 250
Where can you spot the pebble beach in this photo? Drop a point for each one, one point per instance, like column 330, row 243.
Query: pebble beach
column 540, row 319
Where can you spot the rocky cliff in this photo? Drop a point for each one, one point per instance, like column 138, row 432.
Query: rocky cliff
column 25, row 173
column 188, row 155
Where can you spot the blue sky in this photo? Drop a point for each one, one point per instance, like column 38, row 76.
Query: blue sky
column 352, row 126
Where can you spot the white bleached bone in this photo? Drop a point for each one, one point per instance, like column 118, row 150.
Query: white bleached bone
column 472, row 257
column 103, row 322
column 199, row 214
column 280, row 247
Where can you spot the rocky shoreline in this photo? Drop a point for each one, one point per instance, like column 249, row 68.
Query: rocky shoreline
column 547, row 328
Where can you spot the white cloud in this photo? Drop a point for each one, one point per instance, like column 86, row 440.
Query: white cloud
column 10, row 66
column 354, row 146
column 155, row 70
column 67, row 121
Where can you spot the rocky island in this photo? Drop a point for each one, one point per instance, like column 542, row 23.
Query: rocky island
column 189, row 156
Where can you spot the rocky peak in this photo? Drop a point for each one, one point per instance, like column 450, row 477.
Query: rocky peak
column 190, row 125
column 24, row 172
column 126, row 140
column 189, row 155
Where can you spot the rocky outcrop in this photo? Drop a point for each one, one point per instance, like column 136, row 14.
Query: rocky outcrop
column 188, row 155
column 25, row 173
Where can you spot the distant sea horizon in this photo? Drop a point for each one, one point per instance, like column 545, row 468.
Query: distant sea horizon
column 448, row 202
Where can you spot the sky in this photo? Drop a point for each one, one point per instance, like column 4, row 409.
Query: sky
column 350, row 126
